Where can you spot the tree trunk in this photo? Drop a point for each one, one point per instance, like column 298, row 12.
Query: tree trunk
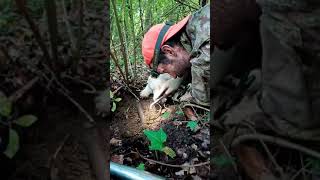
column 133, row 38
column 121, row 38
column 141, row 16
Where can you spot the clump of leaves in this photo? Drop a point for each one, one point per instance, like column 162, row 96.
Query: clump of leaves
column 7, row 119
column 193, row 125
column 157, row 138
column 165, row 115
column 141, row 166
column 114, row 101
column 179, row 113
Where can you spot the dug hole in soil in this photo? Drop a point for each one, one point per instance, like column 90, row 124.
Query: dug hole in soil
column 128, row 142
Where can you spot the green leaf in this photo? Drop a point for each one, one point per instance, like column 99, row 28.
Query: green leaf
column 5, row 106
column 13, row 145
column 169, row 152
column 157, row 138
column 117, row 99
column 111, row 94
column 141, row 167
column 179, row 113
column 192, row 125
column 114, row 106
column 165, row 115
column 222, row 160
column 26, row 120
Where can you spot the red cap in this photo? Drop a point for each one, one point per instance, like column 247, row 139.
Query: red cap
column 150, row 38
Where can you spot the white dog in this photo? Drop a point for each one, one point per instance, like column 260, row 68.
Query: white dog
column 161, row 86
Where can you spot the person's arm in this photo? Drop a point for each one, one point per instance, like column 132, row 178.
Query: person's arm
column 200, row 71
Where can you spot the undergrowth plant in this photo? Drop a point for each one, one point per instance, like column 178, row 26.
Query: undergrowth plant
column 7, row 119
column 114, row 101
column 157, row 139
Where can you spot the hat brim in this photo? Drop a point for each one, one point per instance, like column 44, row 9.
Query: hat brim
column 174, row 29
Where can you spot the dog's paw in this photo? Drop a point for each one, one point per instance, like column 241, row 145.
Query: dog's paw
column 144, row 94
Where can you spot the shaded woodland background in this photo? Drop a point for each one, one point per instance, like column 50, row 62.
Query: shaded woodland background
column 53, row 58
column 131, row 19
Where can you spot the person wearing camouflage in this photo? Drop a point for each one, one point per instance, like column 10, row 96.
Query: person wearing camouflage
column 285, row 101
column 182, row 47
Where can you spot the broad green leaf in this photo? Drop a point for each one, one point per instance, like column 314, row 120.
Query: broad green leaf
column 222, row 160
column 5, row 106
column 192, row 125
column 169, row 152
column 179, row 113
column 117, row 99
column 114, row 106
column 157, row 138
column 111, row 94
column 26, row 120
column 165, row 115
column 13, row 145
column 141, row 166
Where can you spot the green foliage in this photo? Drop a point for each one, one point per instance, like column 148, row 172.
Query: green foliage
column 114, row 101
column 165, row 115
column 5, row 118
column 145, row 13
column 157, row 138
column 13, row 146
column 179, row 113
column 222, row 161
column 5, row 106
column 192, row 125
column 169, row 152
column 141, row 166
column 26, row 120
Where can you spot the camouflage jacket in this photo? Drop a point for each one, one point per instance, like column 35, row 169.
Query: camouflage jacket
column 196, row 40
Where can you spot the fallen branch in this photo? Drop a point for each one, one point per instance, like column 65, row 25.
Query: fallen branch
column 19, row 93
column 77, row 105
column 301, row 170
column 278, row 167
column 275, row 140
column 53, row 169
column 60, row 146
column 197, row 106
column 64, row 91
column 93, row 89
column 172, row 165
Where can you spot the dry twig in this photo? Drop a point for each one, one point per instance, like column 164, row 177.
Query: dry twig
column 172, row 165
column 19, row 93
column 275, row 140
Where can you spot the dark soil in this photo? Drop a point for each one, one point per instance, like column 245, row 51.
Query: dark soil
column 52, row 148
column 127, row 127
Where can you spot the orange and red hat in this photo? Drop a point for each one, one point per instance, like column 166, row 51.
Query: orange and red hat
column 150, row 38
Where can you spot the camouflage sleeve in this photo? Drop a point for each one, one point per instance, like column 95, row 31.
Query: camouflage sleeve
column 200, row 72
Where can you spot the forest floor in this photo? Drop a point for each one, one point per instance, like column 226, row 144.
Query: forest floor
column 129, row 145
column 52, row 147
